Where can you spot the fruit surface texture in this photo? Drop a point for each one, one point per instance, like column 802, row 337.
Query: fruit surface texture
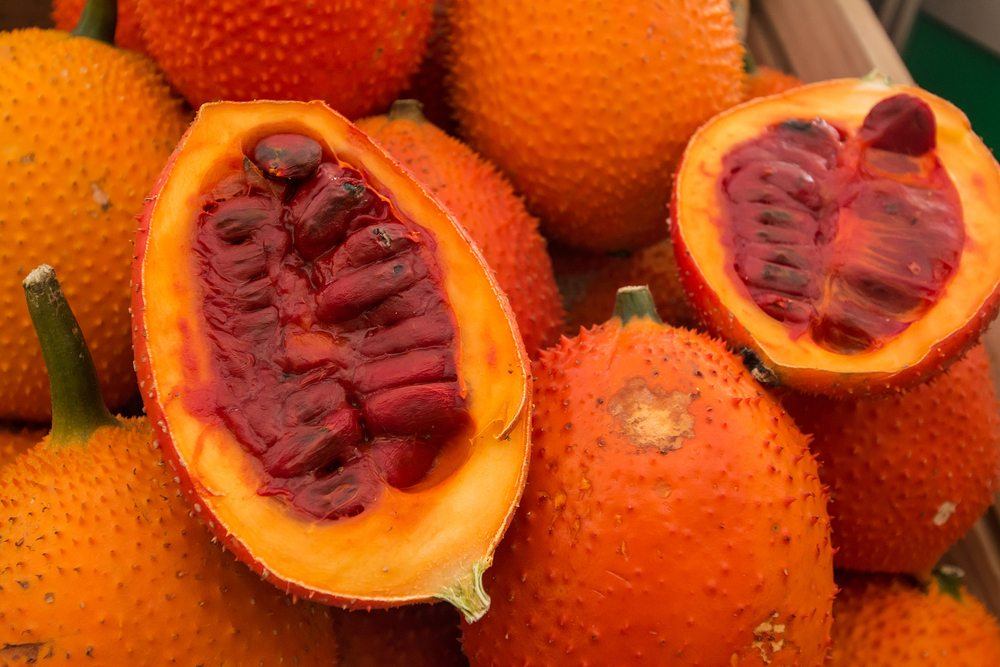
column 484, row 203
column 908, row 473
column 355, row 55
column 74, row 179
column 884, row 622
column 841, row 234
column 14, row 440
column 588, row 110
column 323, row 279
column 666, row 488
column 411, row 636
column 764, row 81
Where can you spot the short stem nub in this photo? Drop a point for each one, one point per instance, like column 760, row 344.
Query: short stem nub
column 98, row 20
column 407, row 110
column 77, row 407
column 468, row 595
column 635, row 301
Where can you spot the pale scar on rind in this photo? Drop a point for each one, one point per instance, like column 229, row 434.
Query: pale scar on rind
column 653, row 417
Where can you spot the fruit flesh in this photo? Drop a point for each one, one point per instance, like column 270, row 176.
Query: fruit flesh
column 846, row 240
column 324, row 300
column 929, row 342
column 423, row 542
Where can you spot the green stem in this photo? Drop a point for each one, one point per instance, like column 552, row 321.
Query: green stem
column 468, row 594
column 407, row 110
column 949, row 580
column 635, row 302
column 98, row 21
column 77, row 407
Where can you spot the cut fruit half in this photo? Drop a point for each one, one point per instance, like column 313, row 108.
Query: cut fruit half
column 327, row 361
column 842, row 235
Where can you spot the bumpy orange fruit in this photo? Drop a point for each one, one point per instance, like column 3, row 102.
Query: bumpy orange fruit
column 764, row 81
column 14, row 440
column 909, row 473
column 484, row 203
column 414, row 636
column 65, row 14
column 589, row 282
column 587, row 108
column 84, row 129
column 886, row 622
column 673, row 515
column 356, row 55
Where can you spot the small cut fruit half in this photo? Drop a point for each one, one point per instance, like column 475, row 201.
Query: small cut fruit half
column 327, row 361
column 843, row 235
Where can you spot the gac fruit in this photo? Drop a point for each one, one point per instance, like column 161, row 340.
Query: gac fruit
column 324, row 353
column 101, row 560
column 586, row 109
column 841, row 235
column 908, row 473
column 66, row 14
column 484, row 203
column 356, row 56
column 763, row 81
column 16, row 439
column 892, row 622
column 673, row 514
column 84, row 129
column 412, row 636
column 589, row 283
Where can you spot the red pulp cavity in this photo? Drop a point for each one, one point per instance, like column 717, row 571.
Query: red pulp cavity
column 331, row 335
column 847, row 238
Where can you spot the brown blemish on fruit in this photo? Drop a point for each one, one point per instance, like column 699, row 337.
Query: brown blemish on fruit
column 769, row 638
column 653, row 417
column 28, row 652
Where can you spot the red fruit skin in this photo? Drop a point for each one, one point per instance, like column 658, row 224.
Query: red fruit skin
column 889, row 622
column 355, row 55
column 418, row 635
column 636, row 545
column 892, row 464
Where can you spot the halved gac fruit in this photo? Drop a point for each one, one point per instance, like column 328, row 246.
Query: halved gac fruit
column 843, row 233
column 327, row 360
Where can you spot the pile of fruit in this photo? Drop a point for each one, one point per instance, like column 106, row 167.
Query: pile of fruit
column 346, row 385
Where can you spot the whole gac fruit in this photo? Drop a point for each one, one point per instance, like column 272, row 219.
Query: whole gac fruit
column 355, row 55
column 84, row 129
column 588, row 110
column 890, row 622
column 413, row 636
column 589, row 283
column 672, row 513
column 909, row 473
column 101, row 559
column 14, row 440
column 484, row 202
column 128, row 35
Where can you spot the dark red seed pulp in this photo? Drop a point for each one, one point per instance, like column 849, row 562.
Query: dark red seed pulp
column 332, row 338
column 848, row 239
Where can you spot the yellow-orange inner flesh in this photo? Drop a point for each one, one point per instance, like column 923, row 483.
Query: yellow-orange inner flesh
column 412, row 543
column 844, row 104
column 846, row 237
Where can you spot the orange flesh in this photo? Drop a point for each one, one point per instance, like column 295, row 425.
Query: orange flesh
column 332, row 340
column 846, row 237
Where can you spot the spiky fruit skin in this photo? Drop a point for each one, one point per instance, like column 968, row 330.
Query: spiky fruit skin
column 413, row 636
column 128, row 34
column 484, row 202
column 766, row 81
column 588, row 110
column 353, row 54
column 101, row 560
column 589, row 282
column 673, row 515
column 909, row 473
column 14, row 440
column 84, row 129
column 888, row 622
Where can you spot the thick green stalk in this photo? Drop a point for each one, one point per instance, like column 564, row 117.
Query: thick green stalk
column 77, row 407
column 98, row 20
column 407, row 109
column 635, row 302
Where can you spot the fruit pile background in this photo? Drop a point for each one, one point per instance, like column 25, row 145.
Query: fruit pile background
column 565, row 198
